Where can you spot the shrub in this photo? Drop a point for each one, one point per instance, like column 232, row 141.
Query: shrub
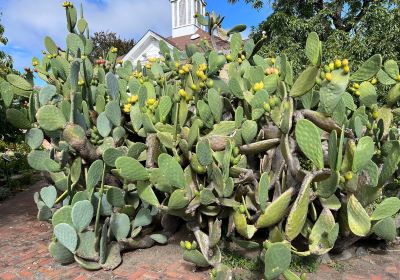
column 214, row 141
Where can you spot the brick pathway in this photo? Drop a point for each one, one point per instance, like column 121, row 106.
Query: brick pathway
column 24, row 254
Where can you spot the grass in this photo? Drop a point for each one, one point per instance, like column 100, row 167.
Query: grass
column 308, row 264
column 339, row 267
column 235, row 260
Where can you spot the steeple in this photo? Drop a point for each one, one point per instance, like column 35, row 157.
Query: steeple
column 183, row 20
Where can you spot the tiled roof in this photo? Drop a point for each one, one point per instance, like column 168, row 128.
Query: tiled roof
column 181, row 42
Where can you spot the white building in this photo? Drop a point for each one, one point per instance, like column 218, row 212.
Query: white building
column 185, row 30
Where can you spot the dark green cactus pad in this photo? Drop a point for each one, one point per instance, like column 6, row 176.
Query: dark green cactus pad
column 113, row 112
column 79, row 196
column 120, row 225
column 172, row 171
column 17, row 118
column 113, row 259
column 305, row 82
column 94, row 175
column 62, row 215
column 82, row 214
column 245, row 230
column 276, row 260
column 364, row 151
column 131, row 169
column 104, row 125
column 112, row 86
column 115, row 197
column 60, row 253
column 88, row 265
column 312, row 48
column 34, row 138
column 249, row 131
column 44, row 213
column 324, row 233
column 386, row 229
column 50, row 118
column 195, row 257
column 204, row 152
column 66, row 235
column 164, row 107
column 387, row 208
column 275, row 210
column 159, row 238
column 309, row 140
column 147, row 194
column 368, row 96
column 87, row 246
column 178, row 200
column 19, row 83
column 359, row 221
column 215, row 103
column 143, row 218
column 48, row 195
column 46, row 94
column 36, row 159
column 111, row 155
column 298, row 213
column 368, row 69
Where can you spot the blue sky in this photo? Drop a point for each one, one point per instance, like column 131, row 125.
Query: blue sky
column 27, row 22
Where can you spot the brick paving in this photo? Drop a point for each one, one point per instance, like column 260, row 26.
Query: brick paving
column 24, row 255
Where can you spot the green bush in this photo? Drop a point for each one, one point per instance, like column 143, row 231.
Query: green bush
column 213, row 141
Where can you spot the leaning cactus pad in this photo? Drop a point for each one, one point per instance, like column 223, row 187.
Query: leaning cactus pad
column 235, row 146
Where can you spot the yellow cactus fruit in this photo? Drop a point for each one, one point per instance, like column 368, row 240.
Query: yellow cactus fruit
column 345, row 62
column 81, row 82
column 229, row 58
column 114, row 50
column 181, row 72
column 375, row 115
column 348, row 175
column 133, row 99
column 152, row 59
column 151, row 101
column 338, row 63
column 374, row 81
column 193, row 87
column 148, row 65
column 35, row 63
column 331, row 66
column 177, row 64
column 346, row 69
column 356, row 86
column 127, row 108
column 357, row 93
column 273, row 60
column 328, row 77
column 188, row 245
column 120, row 61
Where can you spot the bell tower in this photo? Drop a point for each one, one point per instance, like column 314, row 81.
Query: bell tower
column 183, row 20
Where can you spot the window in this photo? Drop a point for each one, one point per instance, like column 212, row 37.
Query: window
column 182, row 12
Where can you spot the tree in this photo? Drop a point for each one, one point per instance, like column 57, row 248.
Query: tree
column 5, row 59
column 354, row 29
column 104, row 40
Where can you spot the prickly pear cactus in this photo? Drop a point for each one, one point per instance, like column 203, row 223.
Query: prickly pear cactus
column 231, row 144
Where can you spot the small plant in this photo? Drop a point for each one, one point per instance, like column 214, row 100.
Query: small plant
column 232, row 145
column 5, row 192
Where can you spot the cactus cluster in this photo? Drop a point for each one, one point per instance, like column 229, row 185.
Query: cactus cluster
column 214, row 141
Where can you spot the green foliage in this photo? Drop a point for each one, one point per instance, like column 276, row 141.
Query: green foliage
column 232, row 145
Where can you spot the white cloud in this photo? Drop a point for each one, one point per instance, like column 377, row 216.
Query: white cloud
column 28, row 21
